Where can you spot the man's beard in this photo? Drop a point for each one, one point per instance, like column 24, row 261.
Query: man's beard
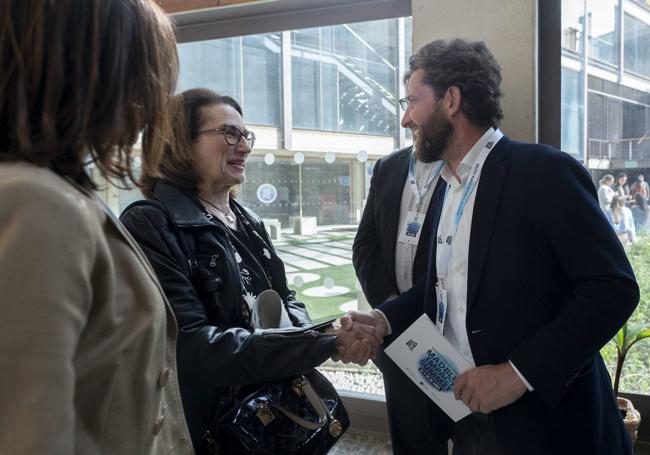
column 433, row 137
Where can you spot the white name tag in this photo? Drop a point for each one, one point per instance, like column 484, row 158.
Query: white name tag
column 411, row 229
column 441, row 308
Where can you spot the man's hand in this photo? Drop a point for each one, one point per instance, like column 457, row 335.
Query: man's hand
column 489, row 387
column 372, row 322
column 359, row 337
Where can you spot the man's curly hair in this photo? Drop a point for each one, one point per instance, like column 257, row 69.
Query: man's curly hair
column 468, row 65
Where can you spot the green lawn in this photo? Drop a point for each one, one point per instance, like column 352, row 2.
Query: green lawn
column 321, row 308
column 328, row 307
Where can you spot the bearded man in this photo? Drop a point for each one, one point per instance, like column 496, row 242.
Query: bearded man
column 530, row 278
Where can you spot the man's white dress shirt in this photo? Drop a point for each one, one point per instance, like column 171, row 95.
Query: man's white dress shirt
column 456, row 281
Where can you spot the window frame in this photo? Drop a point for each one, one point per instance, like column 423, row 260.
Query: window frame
column 267, row 17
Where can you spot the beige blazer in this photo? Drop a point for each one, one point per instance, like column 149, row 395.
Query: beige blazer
column 87, row 338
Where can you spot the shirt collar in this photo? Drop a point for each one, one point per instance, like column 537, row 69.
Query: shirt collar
column 466, row 164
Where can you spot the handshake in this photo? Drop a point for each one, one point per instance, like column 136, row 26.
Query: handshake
column 359, row 336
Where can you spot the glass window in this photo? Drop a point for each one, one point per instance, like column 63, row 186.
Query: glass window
column 344, row 77
column 637, row 46
column 603, row 30
column 605, row 117
column 572, row 112
column 262, row 97
column 645, row 3
column 617, row 122
column 323, row 190
column 617, row 128
column 408, row 36
column 233, row 66
column 634, row 121
column 283, row 201
column 597, row 122
column 306, row 93
column 214, row 64
column 573, row 13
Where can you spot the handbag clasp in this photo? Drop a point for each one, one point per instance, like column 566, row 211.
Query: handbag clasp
column 264, row 413
column 297, row 384
column 335, row 428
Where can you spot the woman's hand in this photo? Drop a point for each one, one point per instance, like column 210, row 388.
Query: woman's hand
column 357, row 341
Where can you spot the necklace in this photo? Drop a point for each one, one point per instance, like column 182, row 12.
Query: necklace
column 228, row 215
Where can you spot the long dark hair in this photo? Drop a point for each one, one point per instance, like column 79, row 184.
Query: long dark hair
column 80, row 80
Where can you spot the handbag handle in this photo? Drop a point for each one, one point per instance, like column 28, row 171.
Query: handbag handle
column 324, row 414
column 299, row 420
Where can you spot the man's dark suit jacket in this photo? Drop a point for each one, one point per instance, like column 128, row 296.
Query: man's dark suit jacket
column 548, row 285
column 373, row 251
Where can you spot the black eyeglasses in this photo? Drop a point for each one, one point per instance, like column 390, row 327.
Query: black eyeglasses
column 233, row 135
column 406, row 101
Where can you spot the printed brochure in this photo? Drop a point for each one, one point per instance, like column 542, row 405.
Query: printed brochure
column 428, row 358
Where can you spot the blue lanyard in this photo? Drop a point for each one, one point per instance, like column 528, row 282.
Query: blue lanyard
column 443, row 252
column 471, row 185
column 413, row 182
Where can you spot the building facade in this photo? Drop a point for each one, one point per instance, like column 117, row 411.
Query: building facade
column 606, row 84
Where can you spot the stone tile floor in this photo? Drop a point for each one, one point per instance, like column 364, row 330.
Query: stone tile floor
column 362, row 444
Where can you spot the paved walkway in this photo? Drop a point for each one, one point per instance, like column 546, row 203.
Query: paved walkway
column 320, row 254
column 308, row 262
column 316, row 251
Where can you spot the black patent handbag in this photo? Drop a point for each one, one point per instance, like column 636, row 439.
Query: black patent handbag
column 303, row 415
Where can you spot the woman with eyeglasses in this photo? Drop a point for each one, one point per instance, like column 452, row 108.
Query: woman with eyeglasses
column 214, row 258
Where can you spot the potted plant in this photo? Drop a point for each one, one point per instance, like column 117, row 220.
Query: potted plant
column 628, row 336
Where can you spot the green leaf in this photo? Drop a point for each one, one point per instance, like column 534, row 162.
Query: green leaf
column 645, row 333
column 620, row 337
column 632, row 330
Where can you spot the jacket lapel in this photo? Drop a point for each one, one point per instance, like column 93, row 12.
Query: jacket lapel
column 486, row 205
column 429, row 230
column 112, row 219
column 391, row 203
column 110, row 216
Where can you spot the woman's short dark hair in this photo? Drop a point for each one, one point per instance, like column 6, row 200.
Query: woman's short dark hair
column 471, row 67
column 80, row 80
column 187, row 115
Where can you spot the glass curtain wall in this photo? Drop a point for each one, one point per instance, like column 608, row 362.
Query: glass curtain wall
column 572, row 112
column 573, row 29
column 343, row 77
column 234, row 66
column 606, row 126
column 637, row 46
column 344, row 83
column 602, row 29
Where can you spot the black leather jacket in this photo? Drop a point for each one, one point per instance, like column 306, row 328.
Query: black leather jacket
column 215, row 350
